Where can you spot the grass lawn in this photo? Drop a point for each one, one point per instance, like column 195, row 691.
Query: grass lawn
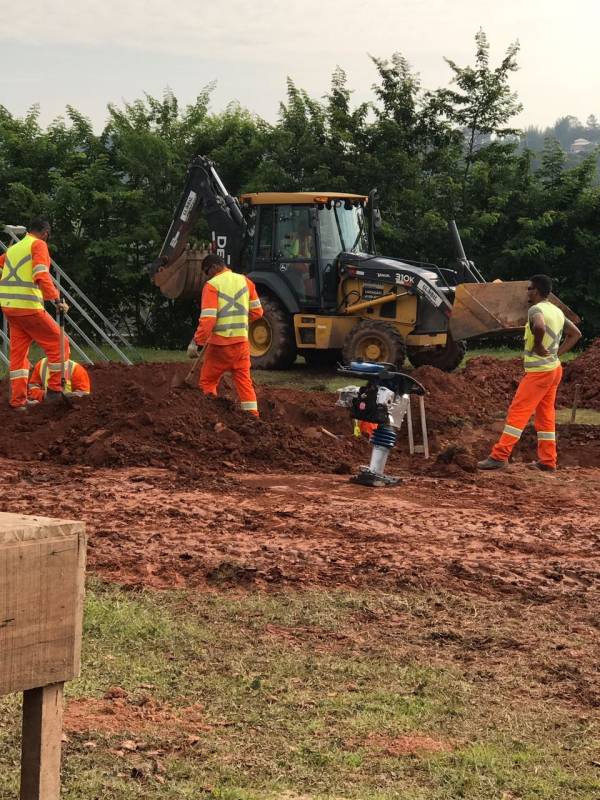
column 317, row 695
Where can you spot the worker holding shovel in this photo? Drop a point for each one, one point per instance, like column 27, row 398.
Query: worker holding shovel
column 229, row 304
column 24, row 286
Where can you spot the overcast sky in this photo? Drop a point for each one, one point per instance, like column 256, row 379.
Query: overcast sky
column 88, row 53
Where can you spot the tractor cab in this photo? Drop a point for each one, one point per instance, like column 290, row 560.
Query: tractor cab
column 298, row 238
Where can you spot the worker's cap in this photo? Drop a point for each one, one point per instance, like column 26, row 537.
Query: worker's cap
column 212, row 260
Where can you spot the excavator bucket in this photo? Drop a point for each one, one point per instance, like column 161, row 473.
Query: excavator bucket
column 182, row 280
column 481, row 308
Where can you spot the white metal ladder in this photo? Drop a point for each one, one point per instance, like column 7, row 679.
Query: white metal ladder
column 78, row 300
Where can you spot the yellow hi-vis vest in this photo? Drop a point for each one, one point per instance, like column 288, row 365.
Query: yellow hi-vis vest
column 554, row 320
column 233, row 304
column 45, row 373
column 17, row 287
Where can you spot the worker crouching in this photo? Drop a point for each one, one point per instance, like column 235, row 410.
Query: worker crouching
column 77, row 380
column 229, row 304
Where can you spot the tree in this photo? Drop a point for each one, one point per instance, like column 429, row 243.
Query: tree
column 483, row 103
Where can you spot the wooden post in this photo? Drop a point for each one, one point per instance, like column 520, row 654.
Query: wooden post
column 42, row 736
column 42, row 573
column 576, row 395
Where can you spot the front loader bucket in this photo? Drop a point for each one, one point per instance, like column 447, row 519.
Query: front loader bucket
column 481, row 308
column 183, row 279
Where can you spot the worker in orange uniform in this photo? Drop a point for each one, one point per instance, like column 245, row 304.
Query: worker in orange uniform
column 229, row 304
column 543, row 372
column 24, row 286
column 77, row 380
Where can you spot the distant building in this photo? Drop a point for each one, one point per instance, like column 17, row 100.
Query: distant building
column 581, row 146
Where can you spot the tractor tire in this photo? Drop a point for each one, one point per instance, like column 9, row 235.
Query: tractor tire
column 446, row 358
column 372, row 340
column 321, row 358
column 272, row 338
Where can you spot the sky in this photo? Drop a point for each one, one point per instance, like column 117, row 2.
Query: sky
column 87, row 53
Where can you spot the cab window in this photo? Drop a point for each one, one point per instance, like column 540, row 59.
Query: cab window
column 294, row 233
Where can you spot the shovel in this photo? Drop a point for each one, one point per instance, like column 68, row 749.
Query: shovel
column 191, row 379
column 66, row 396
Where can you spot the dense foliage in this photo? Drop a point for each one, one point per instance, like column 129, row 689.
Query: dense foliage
column 433, row 155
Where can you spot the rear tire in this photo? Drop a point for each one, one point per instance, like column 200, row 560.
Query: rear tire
column 372, row 340
column 272, row 339
column 447, row 358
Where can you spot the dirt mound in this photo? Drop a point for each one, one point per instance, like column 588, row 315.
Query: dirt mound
column 479, row 392
column 134, row 418
column 585, row 371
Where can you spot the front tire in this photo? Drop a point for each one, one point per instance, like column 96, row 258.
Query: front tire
column 447, row 358
column 272, row 339
column 372, row 340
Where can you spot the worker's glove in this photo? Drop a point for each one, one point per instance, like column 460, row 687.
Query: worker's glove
column 61, row 305
column 192, row 350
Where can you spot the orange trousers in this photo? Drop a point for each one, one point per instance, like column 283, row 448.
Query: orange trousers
column 234, row 358
column 43, row 330
column 536, row 393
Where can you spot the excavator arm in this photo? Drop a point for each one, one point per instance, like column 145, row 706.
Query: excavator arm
column 176, row 270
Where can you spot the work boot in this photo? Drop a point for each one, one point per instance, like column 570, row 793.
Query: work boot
column 491, row 463
column 20, row 409
column 52, row 396
column 541, row 467
column 33, row 403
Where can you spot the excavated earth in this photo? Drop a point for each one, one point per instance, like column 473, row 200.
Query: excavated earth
column 180, row 490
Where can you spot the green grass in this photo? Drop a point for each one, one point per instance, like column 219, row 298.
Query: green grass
column 297, row 692
column 584, row 416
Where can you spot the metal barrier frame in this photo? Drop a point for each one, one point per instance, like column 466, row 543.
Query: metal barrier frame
column 85, row 307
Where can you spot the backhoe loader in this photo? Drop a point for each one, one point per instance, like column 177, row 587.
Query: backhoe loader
column 326, row 294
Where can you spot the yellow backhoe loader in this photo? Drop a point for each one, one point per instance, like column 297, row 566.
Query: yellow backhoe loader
column 326, row 294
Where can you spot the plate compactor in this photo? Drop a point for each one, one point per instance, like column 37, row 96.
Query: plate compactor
column 385, row 402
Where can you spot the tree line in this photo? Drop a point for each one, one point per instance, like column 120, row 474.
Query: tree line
column 434, row 155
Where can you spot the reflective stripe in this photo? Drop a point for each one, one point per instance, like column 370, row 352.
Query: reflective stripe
column 12, row 276
column 255, row 304
column 15, row 374
column 39, row 269
column 545, row 361
column 55, row 367
column 249, row 405
column 510, row 430
column 549, row 436
column 7, row 296
column 230, row 326
column 208, row 312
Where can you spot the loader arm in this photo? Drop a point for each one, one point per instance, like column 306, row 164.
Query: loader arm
column 203, row 193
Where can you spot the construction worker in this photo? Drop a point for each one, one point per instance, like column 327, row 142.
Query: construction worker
column 229, row 304
column 77, row 380
column 24, row 286
column 543, row 372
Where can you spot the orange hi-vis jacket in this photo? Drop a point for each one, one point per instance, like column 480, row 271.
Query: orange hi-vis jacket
column 26, row 268
column 77, row 379
column 229, row 304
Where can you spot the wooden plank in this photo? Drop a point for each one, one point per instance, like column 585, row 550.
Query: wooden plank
column 41, row 748
column 19, row 528
column 41, row 608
